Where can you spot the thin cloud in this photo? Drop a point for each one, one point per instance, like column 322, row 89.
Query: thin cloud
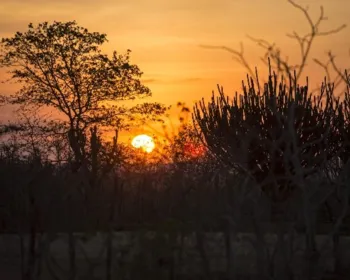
column 149, row 81
column 172, row 81
column 188, row 80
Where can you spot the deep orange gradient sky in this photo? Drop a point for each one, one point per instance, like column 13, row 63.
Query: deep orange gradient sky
column 164, row 36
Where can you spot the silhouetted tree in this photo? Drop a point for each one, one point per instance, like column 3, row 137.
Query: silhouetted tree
column 61, row 66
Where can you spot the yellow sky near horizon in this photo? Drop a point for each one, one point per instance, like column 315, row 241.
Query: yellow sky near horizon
column 165, row 36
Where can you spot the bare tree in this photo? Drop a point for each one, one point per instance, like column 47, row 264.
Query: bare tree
column 305, row 42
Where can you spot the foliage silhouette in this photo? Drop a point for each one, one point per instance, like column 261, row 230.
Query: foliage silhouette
column 175, row 202
column 251, row 132
column 61, row 66
column 255, row 133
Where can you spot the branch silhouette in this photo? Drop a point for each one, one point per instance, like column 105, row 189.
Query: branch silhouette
column 281, row 63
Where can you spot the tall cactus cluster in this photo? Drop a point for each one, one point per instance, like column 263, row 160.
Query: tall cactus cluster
column 264, row 129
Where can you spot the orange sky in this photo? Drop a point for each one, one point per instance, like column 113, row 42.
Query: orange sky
column 164, row 36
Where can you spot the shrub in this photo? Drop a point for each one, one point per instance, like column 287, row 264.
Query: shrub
column 264, row 130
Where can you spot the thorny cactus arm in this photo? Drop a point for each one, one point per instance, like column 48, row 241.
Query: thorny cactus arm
column 248, row 131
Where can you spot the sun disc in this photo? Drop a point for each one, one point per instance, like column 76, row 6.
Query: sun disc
column 143, row 142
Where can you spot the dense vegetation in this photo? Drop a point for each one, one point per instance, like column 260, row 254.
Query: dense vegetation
column 272, row 132
column 282, row 134
column 273, row 159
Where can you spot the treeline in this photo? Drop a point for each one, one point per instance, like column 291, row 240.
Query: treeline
column 275, row 145
column 276, row 158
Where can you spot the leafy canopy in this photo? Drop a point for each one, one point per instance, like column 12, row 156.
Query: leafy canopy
column 61, row 65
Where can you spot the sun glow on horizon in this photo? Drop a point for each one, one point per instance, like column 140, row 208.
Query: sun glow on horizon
column 143, row 142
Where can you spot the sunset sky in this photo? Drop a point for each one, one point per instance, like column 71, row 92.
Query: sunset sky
column 164, row 36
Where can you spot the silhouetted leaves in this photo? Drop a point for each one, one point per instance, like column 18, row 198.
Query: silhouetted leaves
column 61, row 65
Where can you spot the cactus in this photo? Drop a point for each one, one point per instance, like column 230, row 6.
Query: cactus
column 251, row 132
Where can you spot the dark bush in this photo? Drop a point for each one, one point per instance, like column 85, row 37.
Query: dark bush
column 254, row 131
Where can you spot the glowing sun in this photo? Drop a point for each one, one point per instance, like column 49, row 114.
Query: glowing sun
column 143, row 142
